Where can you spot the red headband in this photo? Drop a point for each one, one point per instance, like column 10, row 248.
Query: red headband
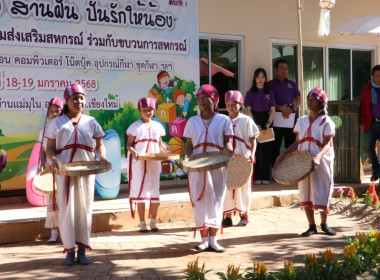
column 162, row 76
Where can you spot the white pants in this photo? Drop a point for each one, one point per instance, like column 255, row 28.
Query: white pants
column 208, row 211
column 238, row 200
column 75, row 215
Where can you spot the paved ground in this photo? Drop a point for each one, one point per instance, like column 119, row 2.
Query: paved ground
column 271, row 237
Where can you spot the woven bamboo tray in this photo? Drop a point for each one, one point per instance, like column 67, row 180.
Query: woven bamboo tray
column 238, row 172
column 293, row 168
column 43, row 181
column 83, row 168
column 206, row 161
column 158, row 156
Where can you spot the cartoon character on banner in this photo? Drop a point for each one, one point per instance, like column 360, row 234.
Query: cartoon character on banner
column 179, row 97
column 164, row 82
column 153, row 93
column 182, row 101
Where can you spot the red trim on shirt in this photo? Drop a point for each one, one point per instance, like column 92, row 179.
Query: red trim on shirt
column 241, row 140
column 206, row 144
column 146, row 140
column 75, row 146
column 310, row 139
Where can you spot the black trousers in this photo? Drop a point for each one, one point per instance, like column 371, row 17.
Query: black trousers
column 263, row 155
column 281, row 133
column 262, row 168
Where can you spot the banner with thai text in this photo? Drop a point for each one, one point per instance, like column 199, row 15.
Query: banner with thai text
column 119, row 51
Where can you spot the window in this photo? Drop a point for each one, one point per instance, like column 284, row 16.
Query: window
column 220, row 64
column 339, row 74
column 312, row 68
column 361, row 72
column 341, row 69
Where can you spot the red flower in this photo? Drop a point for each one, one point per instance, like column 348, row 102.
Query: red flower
column 351, row 193
column 371, row 189
column 375, row 198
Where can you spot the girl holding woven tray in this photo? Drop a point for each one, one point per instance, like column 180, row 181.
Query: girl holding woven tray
column 244, row 143
column 314, row 135
column 75, row 137
column 145, row 136
column 208, row 132
column 52, row 221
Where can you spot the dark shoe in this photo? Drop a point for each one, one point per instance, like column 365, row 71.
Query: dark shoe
column 374, row 177
column 312, row 230
column 327, row 230
column 227, row 222
column 143, row 231
column 154, row 229
column 70, row 256
column 211, row 249
column 201, row 247
column 242, row 222
column 81, row 257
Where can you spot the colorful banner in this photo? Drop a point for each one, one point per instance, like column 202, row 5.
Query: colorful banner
column 119, row 51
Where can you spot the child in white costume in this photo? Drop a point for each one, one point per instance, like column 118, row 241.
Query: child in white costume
column 244, row 143
column 144, row 136
column 206, row 132
column 314, row 135
column 52, row 220
column 75, row 137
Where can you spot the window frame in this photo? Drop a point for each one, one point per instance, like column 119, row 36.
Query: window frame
column 240, row 40
column 326, row 46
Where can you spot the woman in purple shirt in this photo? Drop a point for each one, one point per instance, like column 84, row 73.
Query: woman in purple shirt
column 260, row 105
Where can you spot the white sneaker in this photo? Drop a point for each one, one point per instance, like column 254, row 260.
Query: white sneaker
column 265, row 182
column 258, row 182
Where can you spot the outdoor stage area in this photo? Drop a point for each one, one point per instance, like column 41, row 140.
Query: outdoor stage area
column 119, row 251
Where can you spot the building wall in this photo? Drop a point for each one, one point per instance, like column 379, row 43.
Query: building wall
column 260, row 21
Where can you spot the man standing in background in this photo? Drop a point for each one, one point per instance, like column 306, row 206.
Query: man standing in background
column 370, row 119
column 287, row 97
